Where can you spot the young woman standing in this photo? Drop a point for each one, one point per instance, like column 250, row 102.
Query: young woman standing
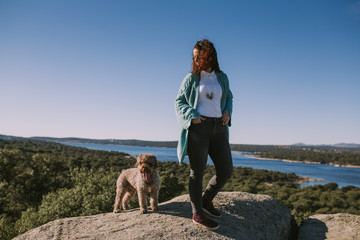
column 203, row 107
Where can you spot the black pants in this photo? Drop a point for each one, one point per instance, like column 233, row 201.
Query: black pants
column 208, row 138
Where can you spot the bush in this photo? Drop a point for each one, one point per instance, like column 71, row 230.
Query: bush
column 170, row 188
column 7, row 230
column 93, row 192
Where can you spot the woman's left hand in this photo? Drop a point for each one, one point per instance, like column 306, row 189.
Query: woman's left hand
column 225, row 118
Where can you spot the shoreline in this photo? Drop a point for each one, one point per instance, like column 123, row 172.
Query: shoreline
column 303, row 179
column 287, row 160
column 300, row 180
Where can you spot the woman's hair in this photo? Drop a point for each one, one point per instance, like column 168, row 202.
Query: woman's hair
column 207, row 57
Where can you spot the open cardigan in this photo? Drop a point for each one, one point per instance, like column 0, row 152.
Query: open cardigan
column 186, row 104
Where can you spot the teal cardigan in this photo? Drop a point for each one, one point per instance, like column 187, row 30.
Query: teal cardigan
column 186, row 104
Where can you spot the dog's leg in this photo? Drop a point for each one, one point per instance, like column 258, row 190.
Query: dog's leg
column 120, row 192
column 126, row 199
column 154, row 197
column 142, row 201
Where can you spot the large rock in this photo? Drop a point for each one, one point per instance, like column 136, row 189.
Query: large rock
column 330, row 226
column 245, row 216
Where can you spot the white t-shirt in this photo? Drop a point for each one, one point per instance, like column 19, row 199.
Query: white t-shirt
column 210, row 95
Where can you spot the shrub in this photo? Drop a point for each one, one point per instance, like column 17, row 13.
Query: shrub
column 7, row 230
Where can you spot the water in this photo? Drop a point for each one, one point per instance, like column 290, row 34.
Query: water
column 343, row 176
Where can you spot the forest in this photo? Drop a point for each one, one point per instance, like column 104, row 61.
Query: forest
column 42, row 181
column 319, row 154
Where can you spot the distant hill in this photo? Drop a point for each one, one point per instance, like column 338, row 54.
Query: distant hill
column 6, row 137
column 347, row 145
column 338, row 145
column 170, row 144
column 128, row 142
column 299, row 144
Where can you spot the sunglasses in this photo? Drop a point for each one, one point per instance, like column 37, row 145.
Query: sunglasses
column 199, row 44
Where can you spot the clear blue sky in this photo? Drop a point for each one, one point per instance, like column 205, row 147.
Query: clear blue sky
column 112, row 69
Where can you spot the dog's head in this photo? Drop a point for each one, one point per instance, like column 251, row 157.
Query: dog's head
column 146, row 163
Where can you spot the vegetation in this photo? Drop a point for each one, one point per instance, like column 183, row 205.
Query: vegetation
column 42, row 181
column 318, row 154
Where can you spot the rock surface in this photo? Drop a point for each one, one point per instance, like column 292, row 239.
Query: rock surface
column 330, row 226
column 245, row 216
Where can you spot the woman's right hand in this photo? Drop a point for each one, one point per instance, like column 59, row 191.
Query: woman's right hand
column 198, row 120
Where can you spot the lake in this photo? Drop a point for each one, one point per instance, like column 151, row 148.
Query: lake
column 343, row 176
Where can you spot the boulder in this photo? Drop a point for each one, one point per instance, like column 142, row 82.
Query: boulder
column 330, row 226
column 245, row 216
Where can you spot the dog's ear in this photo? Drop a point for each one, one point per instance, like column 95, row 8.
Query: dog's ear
column 139, row 159
column 155, row 162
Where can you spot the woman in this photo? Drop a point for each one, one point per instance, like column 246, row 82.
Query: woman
column 203, row 108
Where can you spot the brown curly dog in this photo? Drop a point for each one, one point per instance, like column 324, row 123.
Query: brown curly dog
column 144, row 179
